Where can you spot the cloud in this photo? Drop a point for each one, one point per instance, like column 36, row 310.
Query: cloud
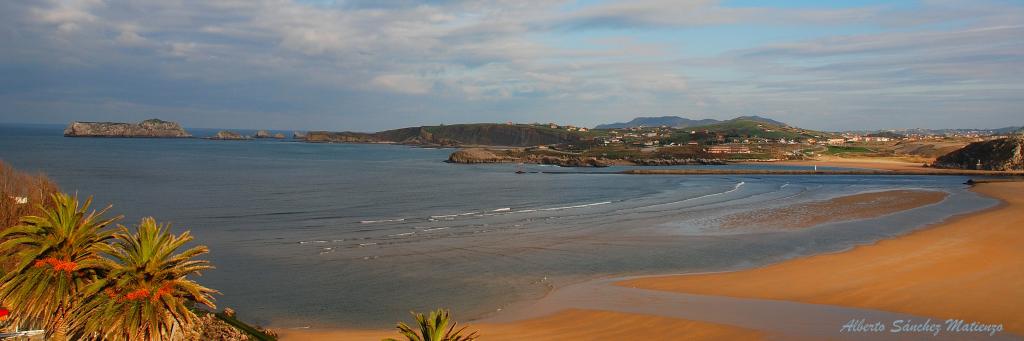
column 335, row 63
column 401, row 83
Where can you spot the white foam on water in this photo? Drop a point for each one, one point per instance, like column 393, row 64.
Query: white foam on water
column 381, row 221
column 575, row 206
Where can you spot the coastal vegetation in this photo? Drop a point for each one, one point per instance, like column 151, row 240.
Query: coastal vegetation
column 69, row 271
column 20, row 192
column 438, row 326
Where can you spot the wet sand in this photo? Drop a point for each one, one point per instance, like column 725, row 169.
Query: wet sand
column 866, row 163
column 851, row 207
column 969, row 268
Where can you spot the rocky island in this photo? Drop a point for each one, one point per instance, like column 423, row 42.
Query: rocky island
column 151, row 128
column 228, row 135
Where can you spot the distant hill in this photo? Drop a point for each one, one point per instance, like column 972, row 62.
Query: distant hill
column 486, row 134
column 670, row 121
column 681, row 122
column 744, row 128
column 760, row 119
column 1000, row 154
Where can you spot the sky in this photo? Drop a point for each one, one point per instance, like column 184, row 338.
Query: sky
column 367, row 65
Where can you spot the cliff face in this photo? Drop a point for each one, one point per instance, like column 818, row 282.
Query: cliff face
column 147, row 128
column 327, row 136
column 1000, row 154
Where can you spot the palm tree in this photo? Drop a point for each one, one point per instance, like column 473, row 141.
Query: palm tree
column 56, row 256
column 147, row 293
column 434, row 328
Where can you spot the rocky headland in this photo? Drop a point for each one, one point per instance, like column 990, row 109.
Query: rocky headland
column 1005, row 154
column 480, row 134
column 152, row 128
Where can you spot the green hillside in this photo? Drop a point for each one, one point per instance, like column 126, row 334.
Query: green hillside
column 741, row 128
column 487, row 134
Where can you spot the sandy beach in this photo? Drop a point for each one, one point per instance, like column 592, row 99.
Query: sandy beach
column 969, row 267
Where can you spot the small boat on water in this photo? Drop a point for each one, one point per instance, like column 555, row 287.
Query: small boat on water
column 520, row 169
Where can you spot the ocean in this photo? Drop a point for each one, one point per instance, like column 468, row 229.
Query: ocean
column 356, row 235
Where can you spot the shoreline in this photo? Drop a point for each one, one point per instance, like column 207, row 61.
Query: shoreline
column 558, row 324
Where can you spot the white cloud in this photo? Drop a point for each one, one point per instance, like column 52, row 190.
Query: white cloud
column 517, row 56
column 401, row 83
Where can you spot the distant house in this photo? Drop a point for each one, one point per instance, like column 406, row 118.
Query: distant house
column 835, row 142
column 583, row 129
column 728, row 149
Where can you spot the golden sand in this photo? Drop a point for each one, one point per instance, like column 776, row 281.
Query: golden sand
column 970, row 268
column 571, row 324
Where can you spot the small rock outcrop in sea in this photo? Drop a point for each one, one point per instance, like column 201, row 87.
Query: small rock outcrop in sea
column 279, row 136
column 1005, row 154
column 228, row 135
column 481, row 155
column 478, row 155
column 148, row 128
column 568, row 161
column 262, row 134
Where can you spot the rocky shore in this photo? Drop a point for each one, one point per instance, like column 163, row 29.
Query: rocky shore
column 151, row 128
column 1006, row 154
column 482, row 155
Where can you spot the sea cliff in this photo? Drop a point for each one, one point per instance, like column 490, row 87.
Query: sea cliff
column 148, row 128
column 1005, row 154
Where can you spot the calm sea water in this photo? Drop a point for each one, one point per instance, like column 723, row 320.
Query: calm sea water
column 358, row 235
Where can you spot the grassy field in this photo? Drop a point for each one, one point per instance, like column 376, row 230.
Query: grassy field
column 834, row 150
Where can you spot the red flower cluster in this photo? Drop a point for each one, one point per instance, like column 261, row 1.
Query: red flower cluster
column 3, row 313
column 57, row 264
column 140, row 294
column 165, row 289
